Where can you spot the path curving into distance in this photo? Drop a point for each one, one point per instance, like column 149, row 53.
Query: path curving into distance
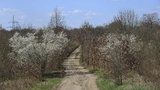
column 77, row 77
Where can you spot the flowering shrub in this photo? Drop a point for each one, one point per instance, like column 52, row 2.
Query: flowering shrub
column 115, row 40
column 121, row 51
column 26, row 50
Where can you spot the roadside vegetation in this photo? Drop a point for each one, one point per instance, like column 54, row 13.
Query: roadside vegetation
column 48, row 84
column 106, row 83
column 129, row 44
column 126, row 51
column 29, row 55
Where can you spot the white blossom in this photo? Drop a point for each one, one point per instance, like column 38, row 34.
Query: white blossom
column 114, row 43
column 26, row 49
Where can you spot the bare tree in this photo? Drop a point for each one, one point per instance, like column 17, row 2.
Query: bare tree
column 126, row 19
column 86, row 38
column 1, row 27
column 150, row 20
column 57, row 20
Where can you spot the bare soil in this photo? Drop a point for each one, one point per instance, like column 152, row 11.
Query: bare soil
column 77, row 77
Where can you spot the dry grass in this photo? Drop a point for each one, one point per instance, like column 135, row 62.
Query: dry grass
column 19, row 84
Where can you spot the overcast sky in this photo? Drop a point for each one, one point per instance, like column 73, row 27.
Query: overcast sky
column 75, row 12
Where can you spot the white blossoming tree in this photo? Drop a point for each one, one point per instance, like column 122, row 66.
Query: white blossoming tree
column 120, row 50
column 26, row 50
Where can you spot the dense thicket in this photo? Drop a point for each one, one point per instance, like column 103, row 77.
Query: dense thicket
column 32, row 53
column 127, row 44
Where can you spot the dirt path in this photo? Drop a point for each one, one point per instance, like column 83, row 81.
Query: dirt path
column 77, row 77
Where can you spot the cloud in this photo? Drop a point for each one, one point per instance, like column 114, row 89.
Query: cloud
column 158, row 7
column 91, row 13
column 76, row 11
column 117, row 0
column 4, row 11
column 72, row 12
column 155, row 10
column 9, row 12
column 81, row 12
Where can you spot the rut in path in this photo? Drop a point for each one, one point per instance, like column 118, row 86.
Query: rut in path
column 78, row 78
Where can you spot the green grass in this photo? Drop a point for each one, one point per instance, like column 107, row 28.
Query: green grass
column 49, row 84
column 105, row 84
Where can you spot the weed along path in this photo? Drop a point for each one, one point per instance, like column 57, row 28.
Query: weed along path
column 77, row 77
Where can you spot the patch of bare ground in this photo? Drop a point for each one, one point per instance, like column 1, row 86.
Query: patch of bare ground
column 77, row 77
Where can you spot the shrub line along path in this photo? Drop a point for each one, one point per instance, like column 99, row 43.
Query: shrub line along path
column 77, row 77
